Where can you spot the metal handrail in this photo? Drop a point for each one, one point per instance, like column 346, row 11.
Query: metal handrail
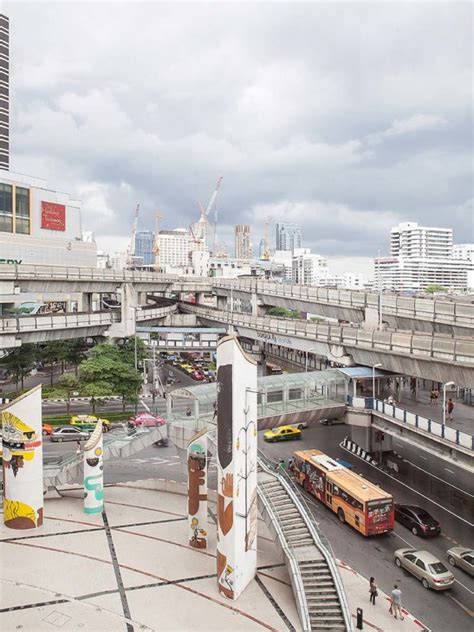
column 320, row 540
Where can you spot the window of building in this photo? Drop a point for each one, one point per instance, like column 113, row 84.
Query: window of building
column 22, row 211
column 6, row 208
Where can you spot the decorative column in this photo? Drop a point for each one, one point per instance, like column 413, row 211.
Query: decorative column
column 23, row 461
column 236, row 468
column 94, row 472
column 197, row 490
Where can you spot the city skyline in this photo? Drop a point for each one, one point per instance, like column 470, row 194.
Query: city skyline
column 346, row 160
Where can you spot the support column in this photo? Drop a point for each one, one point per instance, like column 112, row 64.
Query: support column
column 236, row 468
column 23, row 462
column 197, row 490
column 94, row 472
column 222, row 303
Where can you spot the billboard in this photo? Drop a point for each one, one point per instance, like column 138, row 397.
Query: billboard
column 53, row 216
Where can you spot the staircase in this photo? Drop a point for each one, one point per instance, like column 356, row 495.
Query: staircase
column 317, row 586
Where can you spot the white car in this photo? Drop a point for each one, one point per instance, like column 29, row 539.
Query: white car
column 462, row 557
column 426, row 567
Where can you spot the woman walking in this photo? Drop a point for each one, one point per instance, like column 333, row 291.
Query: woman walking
column 373, row 590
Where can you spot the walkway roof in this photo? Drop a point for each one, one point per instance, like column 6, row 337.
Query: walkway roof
column 207, row 393
column 364, row 372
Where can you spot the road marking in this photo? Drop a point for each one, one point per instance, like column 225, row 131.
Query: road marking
column 439, row 479
column 465, row 587
column 448, row 470
column 421, row 457
column 470, row 524
column 465, row 608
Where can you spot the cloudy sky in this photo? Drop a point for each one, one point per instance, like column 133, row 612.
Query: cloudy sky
column 344, row 117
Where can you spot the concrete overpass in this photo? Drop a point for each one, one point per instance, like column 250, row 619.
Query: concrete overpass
column 454, row 315
column 437, row 357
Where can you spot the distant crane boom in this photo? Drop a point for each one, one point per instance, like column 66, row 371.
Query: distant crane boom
column 131, row 248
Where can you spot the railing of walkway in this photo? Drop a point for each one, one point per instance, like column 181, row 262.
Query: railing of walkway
column 426, row 346
column 320, row 540
column 423, row 423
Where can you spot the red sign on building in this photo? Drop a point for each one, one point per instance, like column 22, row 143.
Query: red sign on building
column 53, row 216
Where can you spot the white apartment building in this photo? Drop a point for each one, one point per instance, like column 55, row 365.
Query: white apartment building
column 175, row 247
column 309, row 269
column 284, row 259
column 463, row 251
column 410, row 240
column 243, row 247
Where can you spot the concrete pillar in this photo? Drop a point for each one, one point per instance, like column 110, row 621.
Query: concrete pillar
column 86, row 304
column 222, row 303
column 371, row 320
column 23, row 462
column 236, row 468
column 94, row 472
column 197, row 490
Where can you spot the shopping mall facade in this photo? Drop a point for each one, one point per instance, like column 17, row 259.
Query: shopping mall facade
column 40, row 226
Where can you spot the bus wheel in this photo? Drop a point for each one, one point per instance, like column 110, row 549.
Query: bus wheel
column 341, row 516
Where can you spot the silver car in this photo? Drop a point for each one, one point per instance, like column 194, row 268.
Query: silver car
column 426, row 567
column 462, row 557
column 69, row 433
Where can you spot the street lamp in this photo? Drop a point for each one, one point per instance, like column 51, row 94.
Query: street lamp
column 444, row 400
column 135, row 310
column 374, row 366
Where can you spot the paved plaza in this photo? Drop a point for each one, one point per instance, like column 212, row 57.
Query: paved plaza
column 132, row 569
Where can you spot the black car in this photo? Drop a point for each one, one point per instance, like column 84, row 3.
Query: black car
column 417, row 519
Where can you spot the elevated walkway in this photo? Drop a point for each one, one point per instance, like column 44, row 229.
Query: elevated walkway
column 118, row 443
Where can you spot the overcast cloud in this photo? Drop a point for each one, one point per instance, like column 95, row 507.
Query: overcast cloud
column 346, row 118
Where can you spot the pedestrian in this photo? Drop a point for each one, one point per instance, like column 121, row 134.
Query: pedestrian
column 290, row 464
column 396, row 602
column 215, row 410
column 373, row 590
column 78, row 447
column 281, row 465
column 188, row 411
column 436, row 396
column 450, row 409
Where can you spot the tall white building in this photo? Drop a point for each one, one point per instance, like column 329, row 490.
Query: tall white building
column 309, row 269
column 421, row 256
column 242, row 242
column 175, row 247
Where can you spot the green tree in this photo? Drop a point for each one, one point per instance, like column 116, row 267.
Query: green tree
column 97, row 393
column 434, row 288
column 20, row 362
column 110, row 368
column 69, row 384
column 50, row 353
column 282, row 312
column 75, row 352
column 127, row 349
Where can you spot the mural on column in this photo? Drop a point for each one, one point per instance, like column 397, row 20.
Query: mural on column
column 236, row 468
column 197, row 490
column 94, row 472
column 23, row 461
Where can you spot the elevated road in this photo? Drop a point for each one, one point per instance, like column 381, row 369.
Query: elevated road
column 454, row 315
column 437, row 357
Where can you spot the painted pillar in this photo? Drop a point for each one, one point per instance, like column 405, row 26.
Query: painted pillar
column 236, row 468
column 197, row 490
column 94, row 472
column 23, row 462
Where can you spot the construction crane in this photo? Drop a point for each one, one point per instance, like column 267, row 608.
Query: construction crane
column 203, row 224
column 131, row 247
column 266, row 250
column 156, row 244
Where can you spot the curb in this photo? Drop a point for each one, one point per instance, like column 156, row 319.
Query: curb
column 350, row 446
column 405, row 612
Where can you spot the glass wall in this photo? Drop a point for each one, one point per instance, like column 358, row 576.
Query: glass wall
column 6, row 208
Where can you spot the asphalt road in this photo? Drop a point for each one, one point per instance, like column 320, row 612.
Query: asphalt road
column 451, row 611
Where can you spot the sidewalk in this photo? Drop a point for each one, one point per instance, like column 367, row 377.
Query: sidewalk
column 463, row 414
column 134, row 565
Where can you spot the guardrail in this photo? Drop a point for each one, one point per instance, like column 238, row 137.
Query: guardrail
column 431, row 309
column 422, row 423
column 75, row 320
column 320, row 540
column 420, row 345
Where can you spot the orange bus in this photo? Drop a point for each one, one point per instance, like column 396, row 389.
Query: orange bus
column 354, row 499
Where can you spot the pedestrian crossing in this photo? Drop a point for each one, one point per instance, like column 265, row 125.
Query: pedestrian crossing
column 171, row 461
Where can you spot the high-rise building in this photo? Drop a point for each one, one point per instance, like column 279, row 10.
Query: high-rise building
column 288, row 236
column 410, row 240
column 4, row 93
column 309, row 269
column 242, row 242
column 421, row 256
column 463, row 251
column 144, row 242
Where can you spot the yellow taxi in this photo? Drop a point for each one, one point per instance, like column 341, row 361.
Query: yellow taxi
column 88, row 422
column 282, row 433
